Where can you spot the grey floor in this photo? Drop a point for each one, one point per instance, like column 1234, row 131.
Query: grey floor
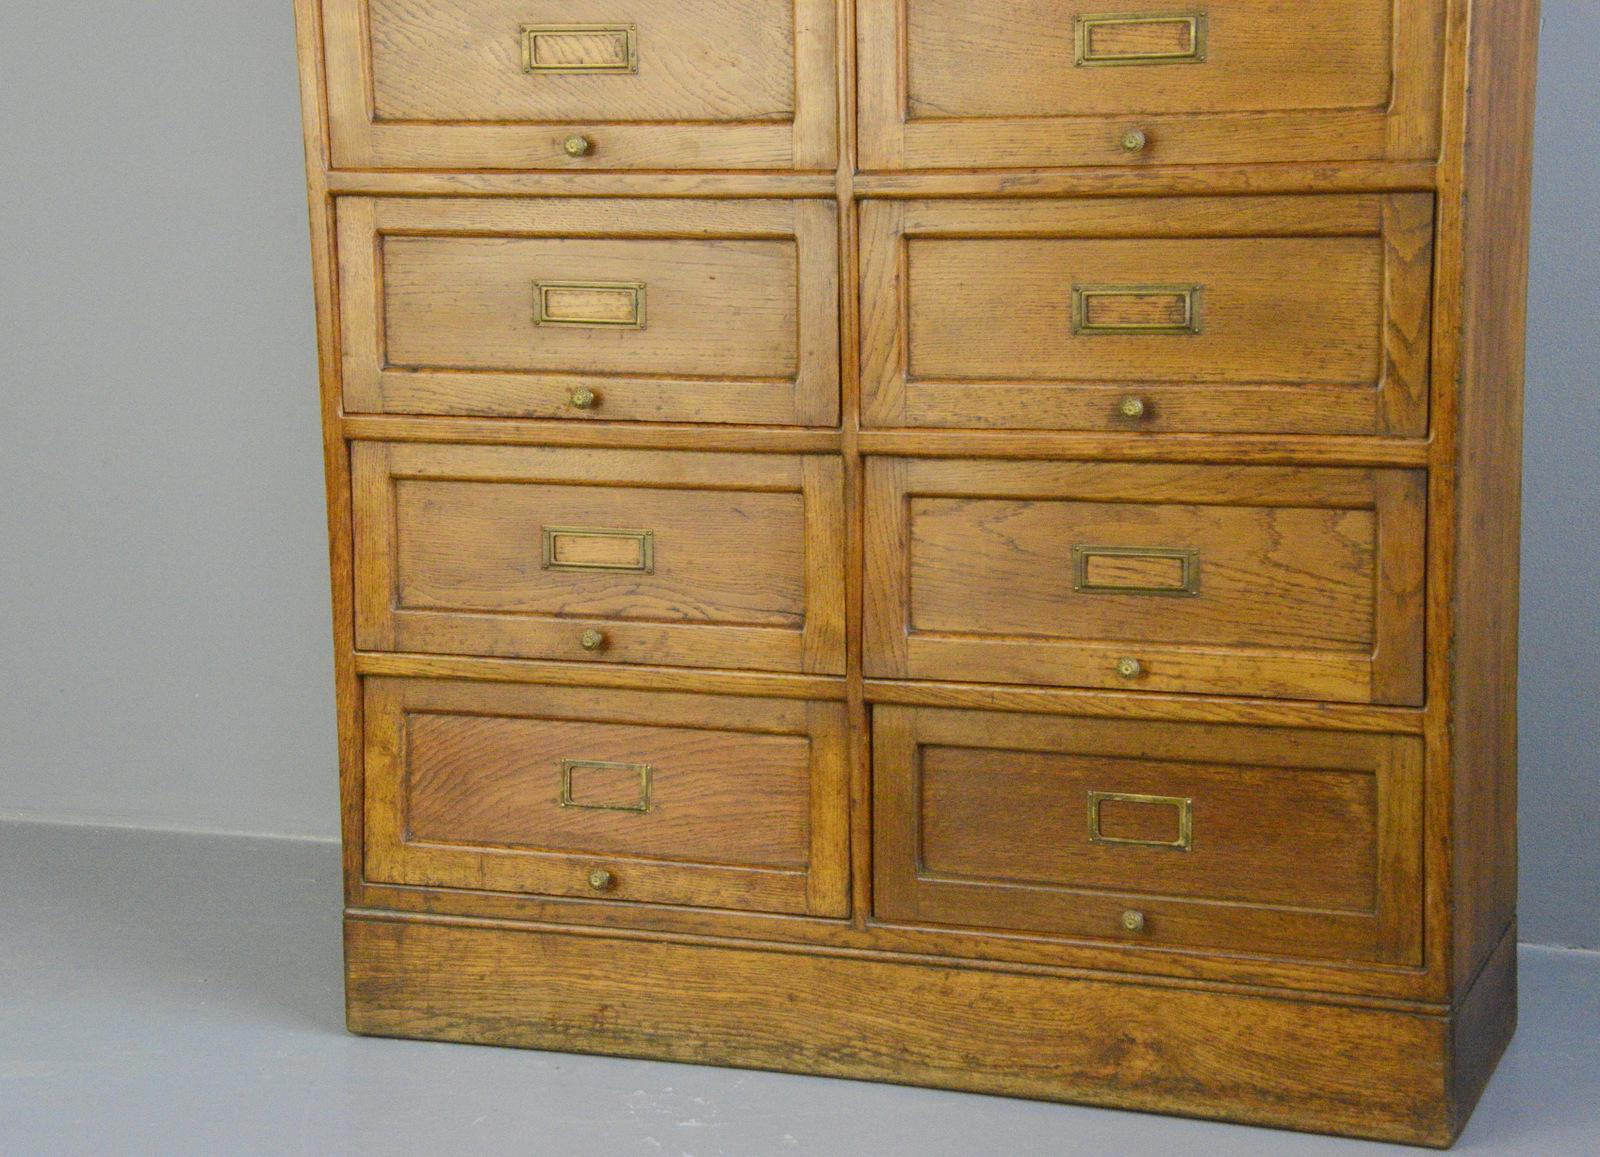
column 172, row 994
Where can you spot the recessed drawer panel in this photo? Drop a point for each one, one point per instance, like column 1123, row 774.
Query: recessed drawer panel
column 1036, row 83
column 608, row 84
column 1289, row 842
column 1287, row 582
column 1302, row 315
column 666, row 310
column 622, row 795
column 607, row 556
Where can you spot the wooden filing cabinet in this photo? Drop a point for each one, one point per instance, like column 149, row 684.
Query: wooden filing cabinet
column 965, row 543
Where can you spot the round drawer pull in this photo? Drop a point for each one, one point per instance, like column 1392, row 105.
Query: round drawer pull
column 583, row 398
column 577, row 145
column 1130, row 668
column 601, row 880
column 592, row 640
column 1134, row 140
column 1133, row 920
column 1131, row 407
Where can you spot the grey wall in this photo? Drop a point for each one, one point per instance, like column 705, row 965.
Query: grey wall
column 164, row 638
column 1559, row 708
column 163, row 607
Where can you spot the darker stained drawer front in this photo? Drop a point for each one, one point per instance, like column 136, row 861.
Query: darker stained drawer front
column 1304, row 315
column 1286, row 842
column 624, row 795
column 507, row 84
column 605, row 556
column 1037, row 83
column 1301, row 583
column 584, row 308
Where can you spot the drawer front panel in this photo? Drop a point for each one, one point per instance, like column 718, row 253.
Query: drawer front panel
column 952, row 83
column 488, row 84
column 674, row 798
column 1296, row 583
column 1239, row 315
column 705, row 560
column 641, row 311
column 1289, row 842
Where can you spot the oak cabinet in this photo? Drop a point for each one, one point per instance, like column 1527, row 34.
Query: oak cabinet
column 963, row 543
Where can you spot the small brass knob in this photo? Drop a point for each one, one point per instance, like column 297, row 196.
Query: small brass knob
column 583, row 398
column 1130, row 668
column 1131, row 407
column 601, row 880
column 577, row 145
column 592, row 640
column 1134, row 140
column 1133, row 920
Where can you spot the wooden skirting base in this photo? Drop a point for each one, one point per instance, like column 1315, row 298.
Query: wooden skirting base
column 1263, row 1060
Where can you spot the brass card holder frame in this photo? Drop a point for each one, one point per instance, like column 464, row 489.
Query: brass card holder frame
column 645, row 772
column 1085, row 26
column 1083, row 297
column 628, row 63
column 645, row 540
column 543, row 315
column 1188, row 561
column 1184, row 806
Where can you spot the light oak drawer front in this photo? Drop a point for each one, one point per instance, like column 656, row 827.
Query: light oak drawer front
column 1285, row 582
column 1168, row 835
column 655, row 311
column 1185, row 314
column 604, row 556
column 621, row 795
column 602, row 84
column 1039, row 83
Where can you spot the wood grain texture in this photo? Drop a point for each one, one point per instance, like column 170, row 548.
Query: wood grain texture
column 1163, row 181
column 735, row 316
column 720, row 84
column 1363, row 1072
column 1367, row 86
column 640, row 677
column 464, row 789
column 733, row 185
column 975, row 310
column 1493, row 278
column 1302, row 843
column 450, row 540
column 598, row 435
column 976, row 567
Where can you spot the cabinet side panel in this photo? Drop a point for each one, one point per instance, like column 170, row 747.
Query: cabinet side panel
column 1494, row 277
column 336, row 456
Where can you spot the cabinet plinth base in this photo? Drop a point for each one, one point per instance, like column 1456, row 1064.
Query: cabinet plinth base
column 1378, row 1073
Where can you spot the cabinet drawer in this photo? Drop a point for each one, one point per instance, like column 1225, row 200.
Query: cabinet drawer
column 661, row 310
column 1287, row 842
column 1238, row 580
column 1038, row 83
column 495, row 84
column 660, row 798
column 605, row 556
column 1165, row 314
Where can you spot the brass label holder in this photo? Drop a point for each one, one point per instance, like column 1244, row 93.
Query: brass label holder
column 576, row 304
column 1090, row 301
column 542, row 55
column 1185, row 567
column 643, row 770
column 1184, row 807
column 642, row 542
column 1190, row 42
